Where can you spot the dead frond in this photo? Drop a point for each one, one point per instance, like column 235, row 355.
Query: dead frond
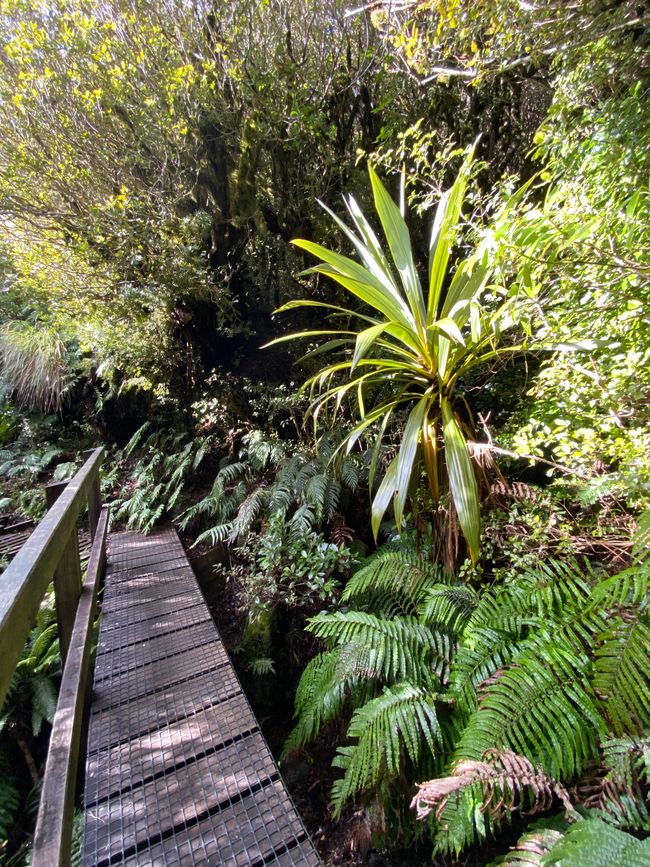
column 506, row 781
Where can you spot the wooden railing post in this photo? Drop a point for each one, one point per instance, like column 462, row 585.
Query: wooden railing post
column 94, row 501
column 67, row 578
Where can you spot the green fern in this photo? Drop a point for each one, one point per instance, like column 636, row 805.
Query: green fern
column 161, row 475
column 593, row 843
column 395, row 580
column 320, row 697
column 264, row 482
column 395, row 649
column 389, row 729
column 622, row 673
column 543, row 666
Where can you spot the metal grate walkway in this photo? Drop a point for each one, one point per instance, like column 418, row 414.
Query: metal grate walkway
column 177, row 772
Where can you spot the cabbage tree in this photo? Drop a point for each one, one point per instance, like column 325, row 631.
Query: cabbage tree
column 410, row 345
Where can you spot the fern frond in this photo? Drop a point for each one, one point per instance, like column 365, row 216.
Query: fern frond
column 262, row 452
column 392, row 727
column 448, row 606
column 593, row 843
column 317, row 492
column 622, row 796
column 622, row 673
column 349, row 473
column 230, row 473
column 281, row 496
column 262, row 666
column 541, row 707
column 215, row 535
column 303, row 472
column 630, row 588
column 394, row 580
column 481, row 654
column 136, row 439
column 398, row 649
column 44, row 698
column 201, row 452
column 641, row 538
column 303, row 518
column 532, row 847
column 319, row 698
column 248, row 513
column 501, row 783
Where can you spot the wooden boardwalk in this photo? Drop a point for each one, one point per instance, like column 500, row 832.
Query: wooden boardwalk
column 177, row 770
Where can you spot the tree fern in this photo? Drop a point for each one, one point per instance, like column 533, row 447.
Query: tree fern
column 388, row 729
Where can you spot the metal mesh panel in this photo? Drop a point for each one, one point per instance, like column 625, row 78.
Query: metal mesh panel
column 177, row 770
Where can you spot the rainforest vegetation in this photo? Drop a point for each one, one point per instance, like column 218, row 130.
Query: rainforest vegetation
column 357, row 297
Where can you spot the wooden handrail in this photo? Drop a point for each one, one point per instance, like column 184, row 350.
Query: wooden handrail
column 27, row 577
column 53, row 835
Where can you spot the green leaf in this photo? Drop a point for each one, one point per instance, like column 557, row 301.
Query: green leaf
column 449, row 327
column 364, row 341
column 383, row 496
column 360, row 282
column 462, row 480
column 407, row 454
column 399, row 241
column 443, row 234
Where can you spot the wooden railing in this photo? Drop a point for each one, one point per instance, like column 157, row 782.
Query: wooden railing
column 52, row 554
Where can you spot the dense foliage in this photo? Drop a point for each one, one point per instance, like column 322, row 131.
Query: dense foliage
column 483, row 676
column 439, row 675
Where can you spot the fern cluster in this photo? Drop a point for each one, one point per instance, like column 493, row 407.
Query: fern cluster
column 432, row 676
column 160, row 476
column 22, row 466
column 306, row 490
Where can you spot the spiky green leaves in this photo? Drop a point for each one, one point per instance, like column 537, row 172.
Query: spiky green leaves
column 411, row 349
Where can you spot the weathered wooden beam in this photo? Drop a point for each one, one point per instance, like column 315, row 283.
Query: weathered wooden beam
column 53, row 836
column 67, row 578
column 94, row 502
column 14, row 528
column 25, row 580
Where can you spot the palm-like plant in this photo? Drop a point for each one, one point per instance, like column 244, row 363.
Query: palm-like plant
column 410, row 352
